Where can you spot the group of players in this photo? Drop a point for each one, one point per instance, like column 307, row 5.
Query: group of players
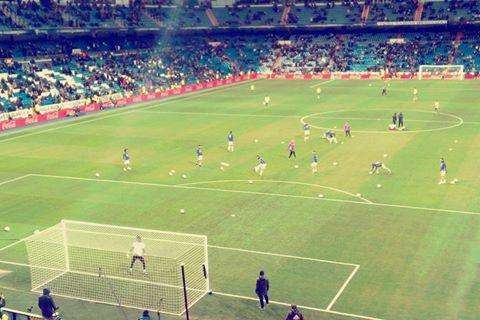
column 329, row 135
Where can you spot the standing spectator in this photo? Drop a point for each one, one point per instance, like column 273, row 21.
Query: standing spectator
column 47, row 305
column 347, row 129
column 145, row 316
column 261, row 289
column 294, row 314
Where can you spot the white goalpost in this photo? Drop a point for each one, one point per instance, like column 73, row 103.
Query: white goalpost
column 89, row 261
column 443, row 72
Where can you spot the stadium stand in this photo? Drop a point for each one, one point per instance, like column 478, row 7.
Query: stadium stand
column 36, row 72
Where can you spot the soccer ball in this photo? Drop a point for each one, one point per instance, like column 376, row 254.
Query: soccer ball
column 170, row 173
column 283, row 142
column 451, row 149
column 320, row 195
column 221, row 168
column 232, row 215
column 335, row 163
column 385, row 155
column 456, row 141
column 182, row 211
column 296, row 166
column 184, row 176
column 97, row 174
column 6, row 229
column 359, row 195
column 341, row 142
column 256, row 140
column 379, row 185
column 250, row 181
column 369, row 84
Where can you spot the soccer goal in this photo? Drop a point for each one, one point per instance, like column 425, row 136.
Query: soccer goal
column 91, row 262
column 443, row 72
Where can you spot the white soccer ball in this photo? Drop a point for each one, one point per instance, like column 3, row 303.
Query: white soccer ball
column 232, row 215
column 170, row 173
column 335, row 163
column 182, row 211
column 296, row 166
column 256, row 140
column 379, row 185
column 184, row 176
column 369, row 84
column 283, row 142
column 6, row 229
column 221, row 168
column 320, row 195
column 97, row 174
column 456, row 141
column 359, row 195
column 385, row 155
column 250, row 181
column 451, row 149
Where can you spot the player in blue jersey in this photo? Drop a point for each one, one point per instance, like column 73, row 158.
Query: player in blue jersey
column 443, row 172
column 261, row 166
column 331, row 136
column 126, row 160
column 230, row 141
column 306, row 132
column 378, row 166
column 199, row 154
column 314, row 163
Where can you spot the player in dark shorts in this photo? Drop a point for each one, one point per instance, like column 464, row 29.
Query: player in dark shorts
column 394, row 119
column 400, row 120
column 384, row 90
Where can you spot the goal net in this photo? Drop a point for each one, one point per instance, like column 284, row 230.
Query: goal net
column 444, row 72
column 90, row 262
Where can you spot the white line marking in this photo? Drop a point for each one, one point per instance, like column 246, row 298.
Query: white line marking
column 378, row 204
column 351, row 315
column 383, row 119
column 342, row 288
column 285, row 256
column 456, row 124
column 117, row 112
column 321, row 83
column 279, row 181
column 14, row 179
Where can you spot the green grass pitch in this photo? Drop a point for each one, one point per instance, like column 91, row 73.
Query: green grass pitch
column 411, row 247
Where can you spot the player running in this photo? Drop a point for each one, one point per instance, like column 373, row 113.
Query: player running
column 230, row 141
column 138, row 253
column 436, row 106
column 306, row 132
column 377, row 166
column 331, row 136
column 347, row 129
column 199, row 153
column 261, row 166
column 266, row 101
column 292, row 147
column 319, row 92
column 415, row 94
column 443, row 172
column 384, row 89
column 126, row 160
column 314, row 163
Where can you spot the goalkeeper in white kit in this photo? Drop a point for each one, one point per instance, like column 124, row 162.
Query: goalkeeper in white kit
column 138, row 253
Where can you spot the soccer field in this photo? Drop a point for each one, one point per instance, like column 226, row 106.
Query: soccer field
column 341, row 243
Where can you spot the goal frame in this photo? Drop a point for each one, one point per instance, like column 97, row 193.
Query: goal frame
column 460, row 75
column 62, row 229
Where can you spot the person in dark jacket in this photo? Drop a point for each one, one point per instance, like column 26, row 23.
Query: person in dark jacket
column 145, row 315
column 261, row 289
column 47, row 305
column 294, row 314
